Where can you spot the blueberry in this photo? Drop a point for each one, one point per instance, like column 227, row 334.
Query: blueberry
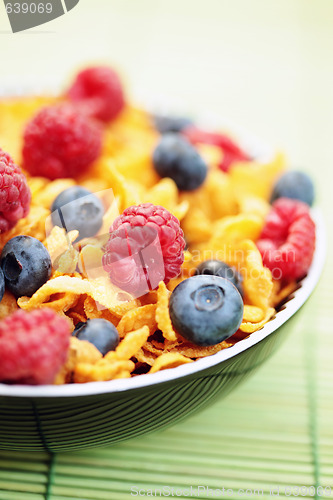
column 78, row 208
column 175, row 157
column 166, row 123
column 206, row 309
column 296, row 185
column 99, row 332
column 26, row 265
column 220, row 268
column 2, row 285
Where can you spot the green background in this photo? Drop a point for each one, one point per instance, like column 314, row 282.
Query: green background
column 266, row 66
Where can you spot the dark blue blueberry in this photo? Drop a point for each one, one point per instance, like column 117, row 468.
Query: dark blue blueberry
column 296, row 185
column 2, row 284
column 99, row 332
column 219, row 268
column 166, row 123
column 78, row 208
column 176, row 158
column 206, row 309
column 26, row 265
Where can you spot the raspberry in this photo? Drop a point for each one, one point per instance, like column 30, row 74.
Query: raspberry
column 15, row 194
column 145, row 247
column 287, row 241
column 33, row 346
column 231, row 151
column 60, row 141
column 99, row 92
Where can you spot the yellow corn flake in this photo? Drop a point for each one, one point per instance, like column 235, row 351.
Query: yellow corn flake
column 253, row 314
column 175, row 282
column 164, row 193
column 246, row 258
column 258, row 283
column 80, row 351
column 142, row 356
column 197, row 226
column 169, row 360
column 195, row 352
column 90, row 261
column 131, row 343
column 36, row 184
column 162, row 312
column 149, row 298
column 280, row 294
column 67, row 262
column 236, row 228
column 101, row 371
column 211, row 154
column 181, row 210
column 198, row 199
column 76, row 317
column 256, row 179
column 122, row 374
column 100, row 290
column 137, row 318
column 32, row 225
column 95, row 184
column 58, row 241
column 86, row 352
column 249, row 327
column 46, row 196
column 63, row 255
column 92, row 311
column 254, row 205
column 125, row 190
column 110, row 215
column 221, row 194
column 8, row 305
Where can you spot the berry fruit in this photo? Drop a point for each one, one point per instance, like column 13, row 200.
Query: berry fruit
column 287, row 241
column 231, row 151
column 165, row 123
column 26, row 265
column 14, row 193
column 99, row 332
column 206, row 309
column 145, row 247
column 33, row 346
column 2, row 285
column 78, row 208
column 220, row 268
column 295, row 185
column 98, row 91
column 176, row 158
column 60, row 141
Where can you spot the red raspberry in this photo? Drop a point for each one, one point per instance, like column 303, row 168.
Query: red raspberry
column 60, row 142
column 15, row 194
column 231, row 151
column 33, row 346
column 145, row 247
column 99, row 92
column 287, row 241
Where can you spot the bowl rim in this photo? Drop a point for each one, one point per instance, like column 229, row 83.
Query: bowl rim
column 308, row 284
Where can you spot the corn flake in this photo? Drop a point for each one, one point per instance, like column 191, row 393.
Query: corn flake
column 169, row 360
column 162, row 312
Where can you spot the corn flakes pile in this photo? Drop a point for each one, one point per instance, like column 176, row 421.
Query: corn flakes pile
column 221, row 220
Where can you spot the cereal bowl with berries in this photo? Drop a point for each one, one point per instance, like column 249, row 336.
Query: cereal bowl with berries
column 147, row 265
